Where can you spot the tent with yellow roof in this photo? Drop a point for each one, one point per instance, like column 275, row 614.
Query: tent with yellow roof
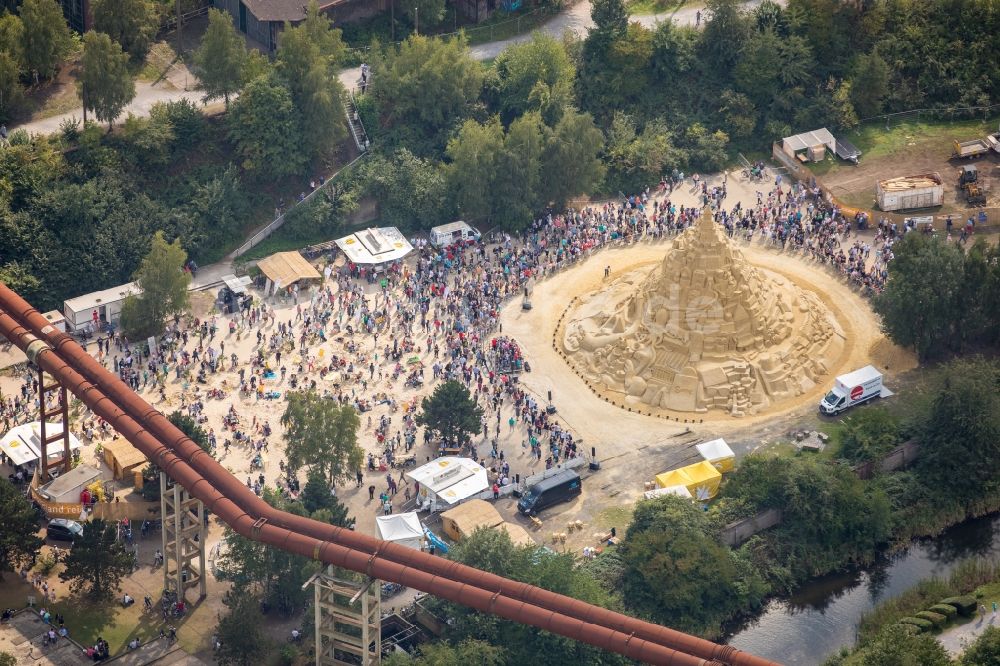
column 701, row 479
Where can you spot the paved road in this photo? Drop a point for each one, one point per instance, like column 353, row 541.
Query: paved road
column 577, row 20
column 957, row 638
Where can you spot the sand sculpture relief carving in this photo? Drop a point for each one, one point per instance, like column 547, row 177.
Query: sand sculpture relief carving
column 703, row 330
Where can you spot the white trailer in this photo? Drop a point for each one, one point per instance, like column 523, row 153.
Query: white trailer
column 451, row 233
column 909, row 192
column 852, row 389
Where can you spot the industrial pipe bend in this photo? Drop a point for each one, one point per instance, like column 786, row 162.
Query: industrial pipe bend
column 236, row 492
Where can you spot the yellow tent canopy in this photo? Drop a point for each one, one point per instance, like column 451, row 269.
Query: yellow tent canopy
column 701, row 479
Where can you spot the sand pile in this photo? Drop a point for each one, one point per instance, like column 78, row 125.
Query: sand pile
column 704, row 330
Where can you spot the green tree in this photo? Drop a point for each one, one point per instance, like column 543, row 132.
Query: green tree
column 442, row 653
column 848, row 526
column 960, row 438
column 896, row 646
column 151, row 472
column 220, row 59
column 7, row 659
column 12, row 38
column 610, row 19
column 869, row 434
column 474, row 153
column 451, row 413
column 535, row 75
column 919, row 305
column 316, row 497
column 411, row 191
column 424, row 14
column 426, row 85
column 47, row 38
column 11, row 92
column 311, row 76
column 240, row 630
column 105, row 85
column 869, row 84
column 517, row 182
column 739, row 113
column 985, row 650
column 726, row 31
column 19, row 542
column 571, row 162
column 677, row 572
column 164, row 287
column 98, row 561
column 492, row 550
column 131, row 23
column 322, row 435
column 267, row 130
column 637, row 160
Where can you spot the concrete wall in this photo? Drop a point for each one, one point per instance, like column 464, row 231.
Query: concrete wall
column 736, row 533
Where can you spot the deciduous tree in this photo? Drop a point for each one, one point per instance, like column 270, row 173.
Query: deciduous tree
column 474, row 153
column 443, row 653
column 869, row 434
column 919, row 305
column 19, row 542
column 47, row 38
column 411, row 191
column 131, row 23
column 220, row 58
column 98, row 561
column 535, row 75
column 321, row 435
column 267, row 130
column 571, row 162
column 451, row 413
column 105, row 85
column 425, row 86
column 164, row 285
column 869, row 84
column 240, row 631
column 11, row 92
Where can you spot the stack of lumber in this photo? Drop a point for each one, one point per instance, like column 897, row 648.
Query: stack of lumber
column 904, row 183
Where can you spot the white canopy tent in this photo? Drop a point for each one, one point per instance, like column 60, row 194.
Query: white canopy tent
column 718, row 453
column 448, row 480
column 402, row 528
column 23, row 443
column 680, row 491
column 375, row 246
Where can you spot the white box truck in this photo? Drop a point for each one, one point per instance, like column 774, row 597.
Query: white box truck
column 451, row 233
column 852, row 389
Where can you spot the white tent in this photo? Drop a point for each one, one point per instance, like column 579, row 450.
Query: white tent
column 718, row 453
column 402, row 528
column 23, row 444
column 375, row 246
column 680, row 491
column 448, row 480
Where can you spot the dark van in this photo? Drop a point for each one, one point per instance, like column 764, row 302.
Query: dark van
column 560, row 487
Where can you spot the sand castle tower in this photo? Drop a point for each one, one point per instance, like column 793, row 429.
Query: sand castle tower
column 703, row 330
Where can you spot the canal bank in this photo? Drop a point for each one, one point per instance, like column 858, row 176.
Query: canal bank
column 822, row 616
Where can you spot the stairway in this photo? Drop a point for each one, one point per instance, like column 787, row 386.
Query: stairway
column 354, row 124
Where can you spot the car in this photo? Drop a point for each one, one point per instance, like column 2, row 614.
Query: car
column 61, row 529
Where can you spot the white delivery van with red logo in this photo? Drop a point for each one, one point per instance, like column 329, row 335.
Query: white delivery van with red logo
column 852, row 389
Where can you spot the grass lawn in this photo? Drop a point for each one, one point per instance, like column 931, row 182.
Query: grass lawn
column 87, row 621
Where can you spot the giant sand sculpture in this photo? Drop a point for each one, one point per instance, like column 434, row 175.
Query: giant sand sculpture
column 703, row 330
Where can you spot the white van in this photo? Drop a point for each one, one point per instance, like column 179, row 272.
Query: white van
column 451, row 233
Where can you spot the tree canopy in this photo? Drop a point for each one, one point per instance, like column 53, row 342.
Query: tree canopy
column 322, row 435
column 164, row 286
column 98, row 561
column 452, row 413
column 267, row 129
column 131, row 23
column 105, row 85
column 221, row 57
column 19, row 542
column 47, row 38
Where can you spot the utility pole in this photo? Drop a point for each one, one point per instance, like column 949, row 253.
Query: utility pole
column 180, row 39
column 416, row 20
column 392, row 20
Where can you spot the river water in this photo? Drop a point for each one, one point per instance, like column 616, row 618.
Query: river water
column 822, row 616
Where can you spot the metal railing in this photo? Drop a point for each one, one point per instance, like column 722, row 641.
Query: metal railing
column 276, row 224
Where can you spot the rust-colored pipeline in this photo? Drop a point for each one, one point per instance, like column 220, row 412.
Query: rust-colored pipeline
column 208, row 469
column 325, row 551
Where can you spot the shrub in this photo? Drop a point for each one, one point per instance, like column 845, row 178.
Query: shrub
column 936, row 618
column 965, row 605
column 46, row 563
column 918, row 622
column 947, row 610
